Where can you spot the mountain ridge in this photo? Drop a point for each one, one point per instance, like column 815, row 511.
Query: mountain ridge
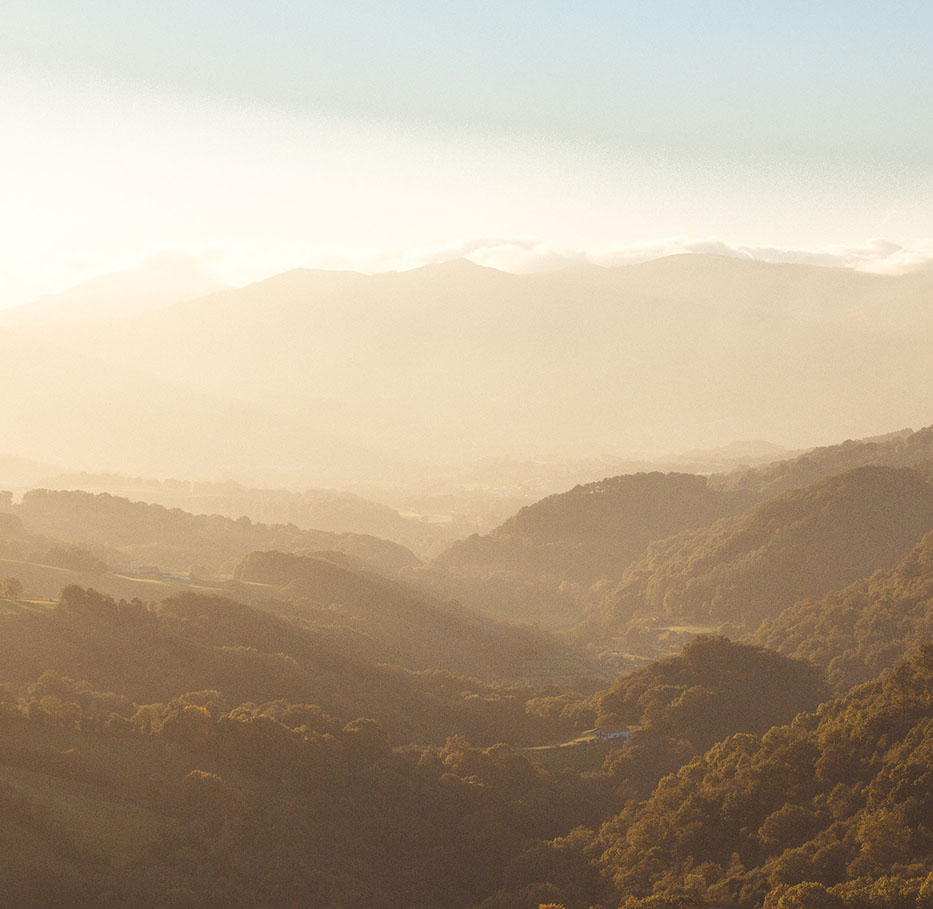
column 455, row 361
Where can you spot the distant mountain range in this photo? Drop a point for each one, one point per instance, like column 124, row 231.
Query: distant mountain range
column 331, row 378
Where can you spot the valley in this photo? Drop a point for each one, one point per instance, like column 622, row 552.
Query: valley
column 155, row 660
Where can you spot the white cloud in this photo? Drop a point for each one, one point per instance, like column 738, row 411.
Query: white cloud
column 237, row 266
column 530, row 254
column 522, row 255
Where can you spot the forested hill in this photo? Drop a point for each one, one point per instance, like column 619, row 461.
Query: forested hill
column 832, row 811
column 802, row 544
column 335, row 511
column 864, row 630
column 175, row 538
column 896, row 449
column 195, row 643
column 394, row 624
column 204, row 747
column 594, row 531
column 679, row 706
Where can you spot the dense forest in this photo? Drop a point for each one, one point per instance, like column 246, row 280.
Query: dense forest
column 867, row 628
column 831, row 810
column 214, row 712
column 802, row 544
column 197, row 728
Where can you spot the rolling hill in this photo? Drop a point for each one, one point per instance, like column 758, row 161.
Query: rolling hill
column 176, row 539
column 195, row 642
column 397, row 625
column 330, row 510
column 831, row 810
column 541, row 564
column 594, row 531
column 897, row 449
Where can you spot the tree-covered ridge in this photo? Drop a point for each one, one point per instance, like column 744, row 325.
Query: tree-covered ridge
column 594, row 531
column 864, row 630
column 329, row 510
column 173, row 537
column 679, row 706
column 193, row 642
column 804, row 543
column 897, row 449
column 245, row 798
column 833, row 810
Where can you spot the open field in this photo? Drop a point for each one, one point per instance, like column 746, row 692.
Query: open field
column 580, row 754
column 46, row 582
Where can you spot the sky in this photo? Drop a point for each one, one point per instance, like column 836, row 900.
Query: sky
column 251, row 137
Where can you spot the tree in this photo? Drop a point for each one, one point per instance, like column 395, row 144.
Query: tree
column 11, row 588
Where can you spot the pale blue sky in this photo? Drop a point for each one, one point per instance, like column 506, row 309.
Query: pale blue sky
column 811, row 73
column 584, row 125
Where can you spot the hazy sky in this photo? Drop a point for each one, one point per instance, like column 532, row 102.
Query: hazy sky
column 261, row 136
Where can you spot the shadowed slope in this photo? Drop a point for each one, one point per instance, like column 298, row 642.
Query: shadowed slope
column 804, row 543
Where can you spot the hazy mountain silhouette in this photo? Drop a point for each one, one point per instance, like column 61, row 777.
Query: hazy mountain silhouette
column 174, row 538
column 158, row 281
column 68, row 407
column 455, row 361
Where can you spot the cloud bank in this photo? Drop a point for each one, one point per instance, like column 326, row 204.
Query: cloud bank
column 530, row 254
column 238, row 266
column 525, row 254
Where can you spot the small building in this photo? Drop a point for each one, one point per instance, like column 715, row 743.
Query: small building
column 616, row 734
column 144, row 572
